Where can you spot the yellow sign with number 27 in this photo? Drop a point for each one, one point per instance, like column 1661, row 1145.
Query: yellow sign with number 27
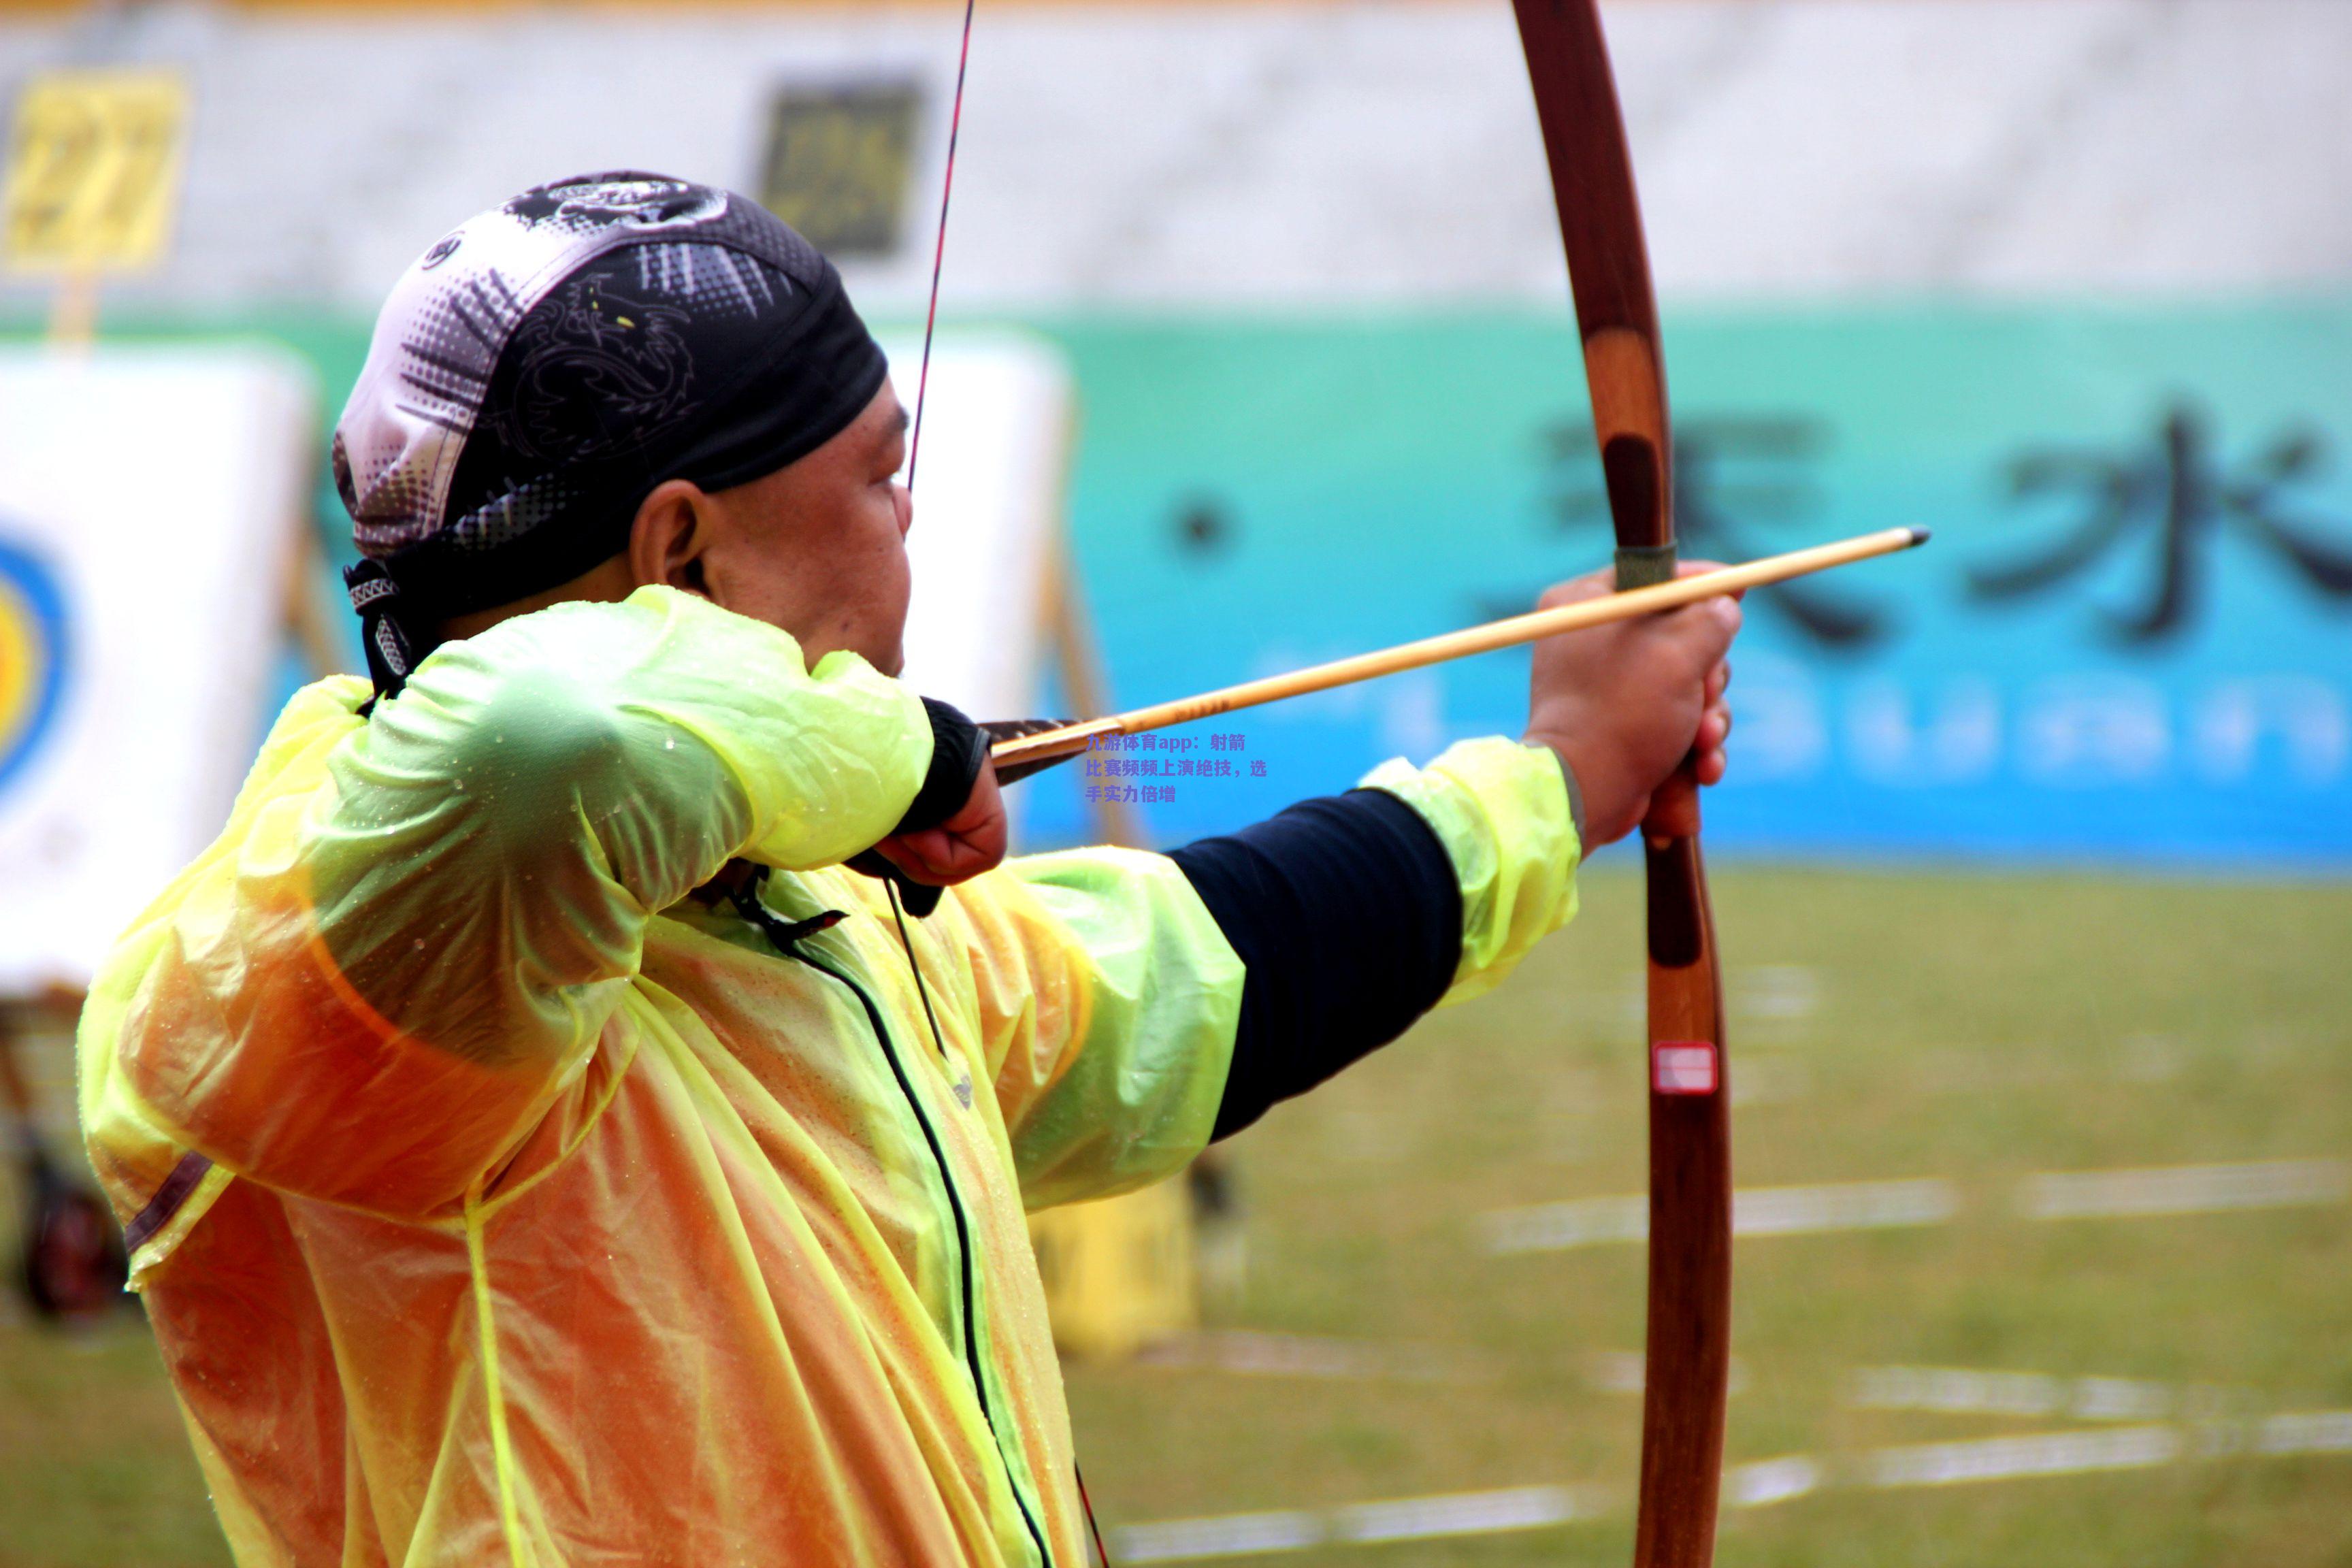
column 94, row 161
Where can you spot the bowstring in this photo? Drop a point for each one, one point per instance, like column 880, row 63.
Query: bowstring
column 915, row 438
column 914, row 454
column 940, row 249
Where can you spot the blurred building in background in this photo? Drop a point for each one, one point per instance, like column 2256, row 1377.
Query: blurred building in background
column 2066, row 281
column 1272, row 156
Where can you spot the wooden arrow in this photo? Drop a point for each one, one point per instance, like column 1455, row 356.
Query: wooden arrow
column 1022, row 755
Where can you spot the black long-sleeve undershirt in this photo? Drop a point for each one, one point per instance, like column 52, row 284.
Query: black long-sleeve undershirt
column 1347, row 914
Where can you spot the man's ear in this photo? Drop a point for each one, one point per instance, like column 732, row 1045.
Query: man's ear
column 672, row 530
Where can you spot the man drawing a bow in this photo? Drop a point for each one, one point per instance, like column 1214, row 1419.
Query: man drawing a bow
column 535, row 1145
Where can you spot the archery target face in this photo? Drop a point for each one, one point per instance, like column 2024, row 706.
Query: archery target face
column 147, row 498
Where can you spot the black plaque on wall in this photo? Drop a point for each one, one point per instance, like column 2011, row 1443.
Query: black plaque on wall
column 838, row 163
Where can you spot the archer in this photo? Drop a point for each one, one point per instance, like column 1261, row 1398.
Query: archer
column 536, row 1144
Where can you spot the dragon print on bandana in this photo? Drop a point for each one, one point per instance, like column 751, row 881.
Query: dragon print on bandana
column 612, row 360
column 599, row 375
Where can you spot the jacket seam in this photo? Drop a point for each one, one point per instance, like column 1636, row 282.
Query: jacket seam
column 493, row 1393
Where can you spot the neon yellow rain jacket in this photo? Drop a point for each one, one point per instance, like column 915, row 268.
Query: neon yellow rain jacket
column 496, row 1204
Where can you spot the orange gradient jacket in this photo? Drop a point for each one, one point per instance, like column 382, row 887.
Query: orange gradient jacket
column 494, row 1203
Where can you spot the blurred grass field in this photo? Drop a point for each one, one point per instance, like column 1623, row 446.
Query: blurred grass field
column 1883, row 1026
column 1975, row 1028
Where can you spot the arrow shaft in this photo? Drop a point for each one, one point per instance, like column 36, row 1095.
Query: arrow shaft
column 1052, row 745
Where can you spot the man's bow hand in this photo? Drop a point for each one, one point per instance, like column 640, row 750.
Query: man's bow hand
column 1626, row 704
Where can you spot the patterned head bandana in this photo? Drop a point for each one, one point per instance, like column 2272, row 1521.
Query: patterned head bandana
column 537, row 372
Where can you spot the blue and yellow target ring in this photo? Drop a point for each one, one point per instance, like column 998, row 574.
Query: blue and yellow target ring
column 34, row 657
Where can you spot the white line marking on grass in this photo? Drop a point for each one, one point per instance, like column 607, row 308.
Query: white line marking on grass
column 2184, row 1189
column 1581, row 1222
column 1780, row 991
column 1872, row 1205
column 1849, row 1205
column 1458, row 1513
column 1962, row 1391
column 1225, row 1535
column 1956, row 1390
column 1758, row 1484
column 2308, row 1432
column 1755, row 1211
column 1403, row 1518
column 1767, row 1481
column 2119, row 1399
column 2009, row 1459
column 1616, row 1371
column 1245, row 1353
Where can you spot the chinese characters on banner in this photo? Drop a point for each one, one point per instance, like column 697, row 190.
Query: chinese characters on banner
column 2131, row 639
column 1172, row 762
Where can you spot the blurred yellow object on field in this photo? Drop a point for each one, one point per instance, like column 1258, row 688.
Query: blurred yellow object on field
column 1118, row 1272
column 94, row 161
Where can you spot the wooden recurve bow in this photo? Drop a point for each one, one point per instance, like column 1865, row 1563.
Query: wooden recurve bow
column 1688, row 1350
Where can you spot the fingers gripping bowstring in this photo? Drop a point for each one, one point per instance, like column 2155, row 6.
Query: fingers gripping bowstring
column 940, row 248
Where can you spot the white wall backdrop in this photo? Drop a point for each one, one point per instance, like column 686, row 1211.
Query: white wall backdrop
column 1327, row 155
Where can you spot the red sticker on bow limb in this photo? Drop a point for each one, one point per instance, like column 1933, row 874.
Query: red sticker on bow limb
column 1683, row 1066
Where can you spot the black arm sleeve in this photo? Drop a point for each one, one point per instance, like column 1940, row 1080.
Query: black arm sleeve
column 1347, row 914
column 959, row 750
